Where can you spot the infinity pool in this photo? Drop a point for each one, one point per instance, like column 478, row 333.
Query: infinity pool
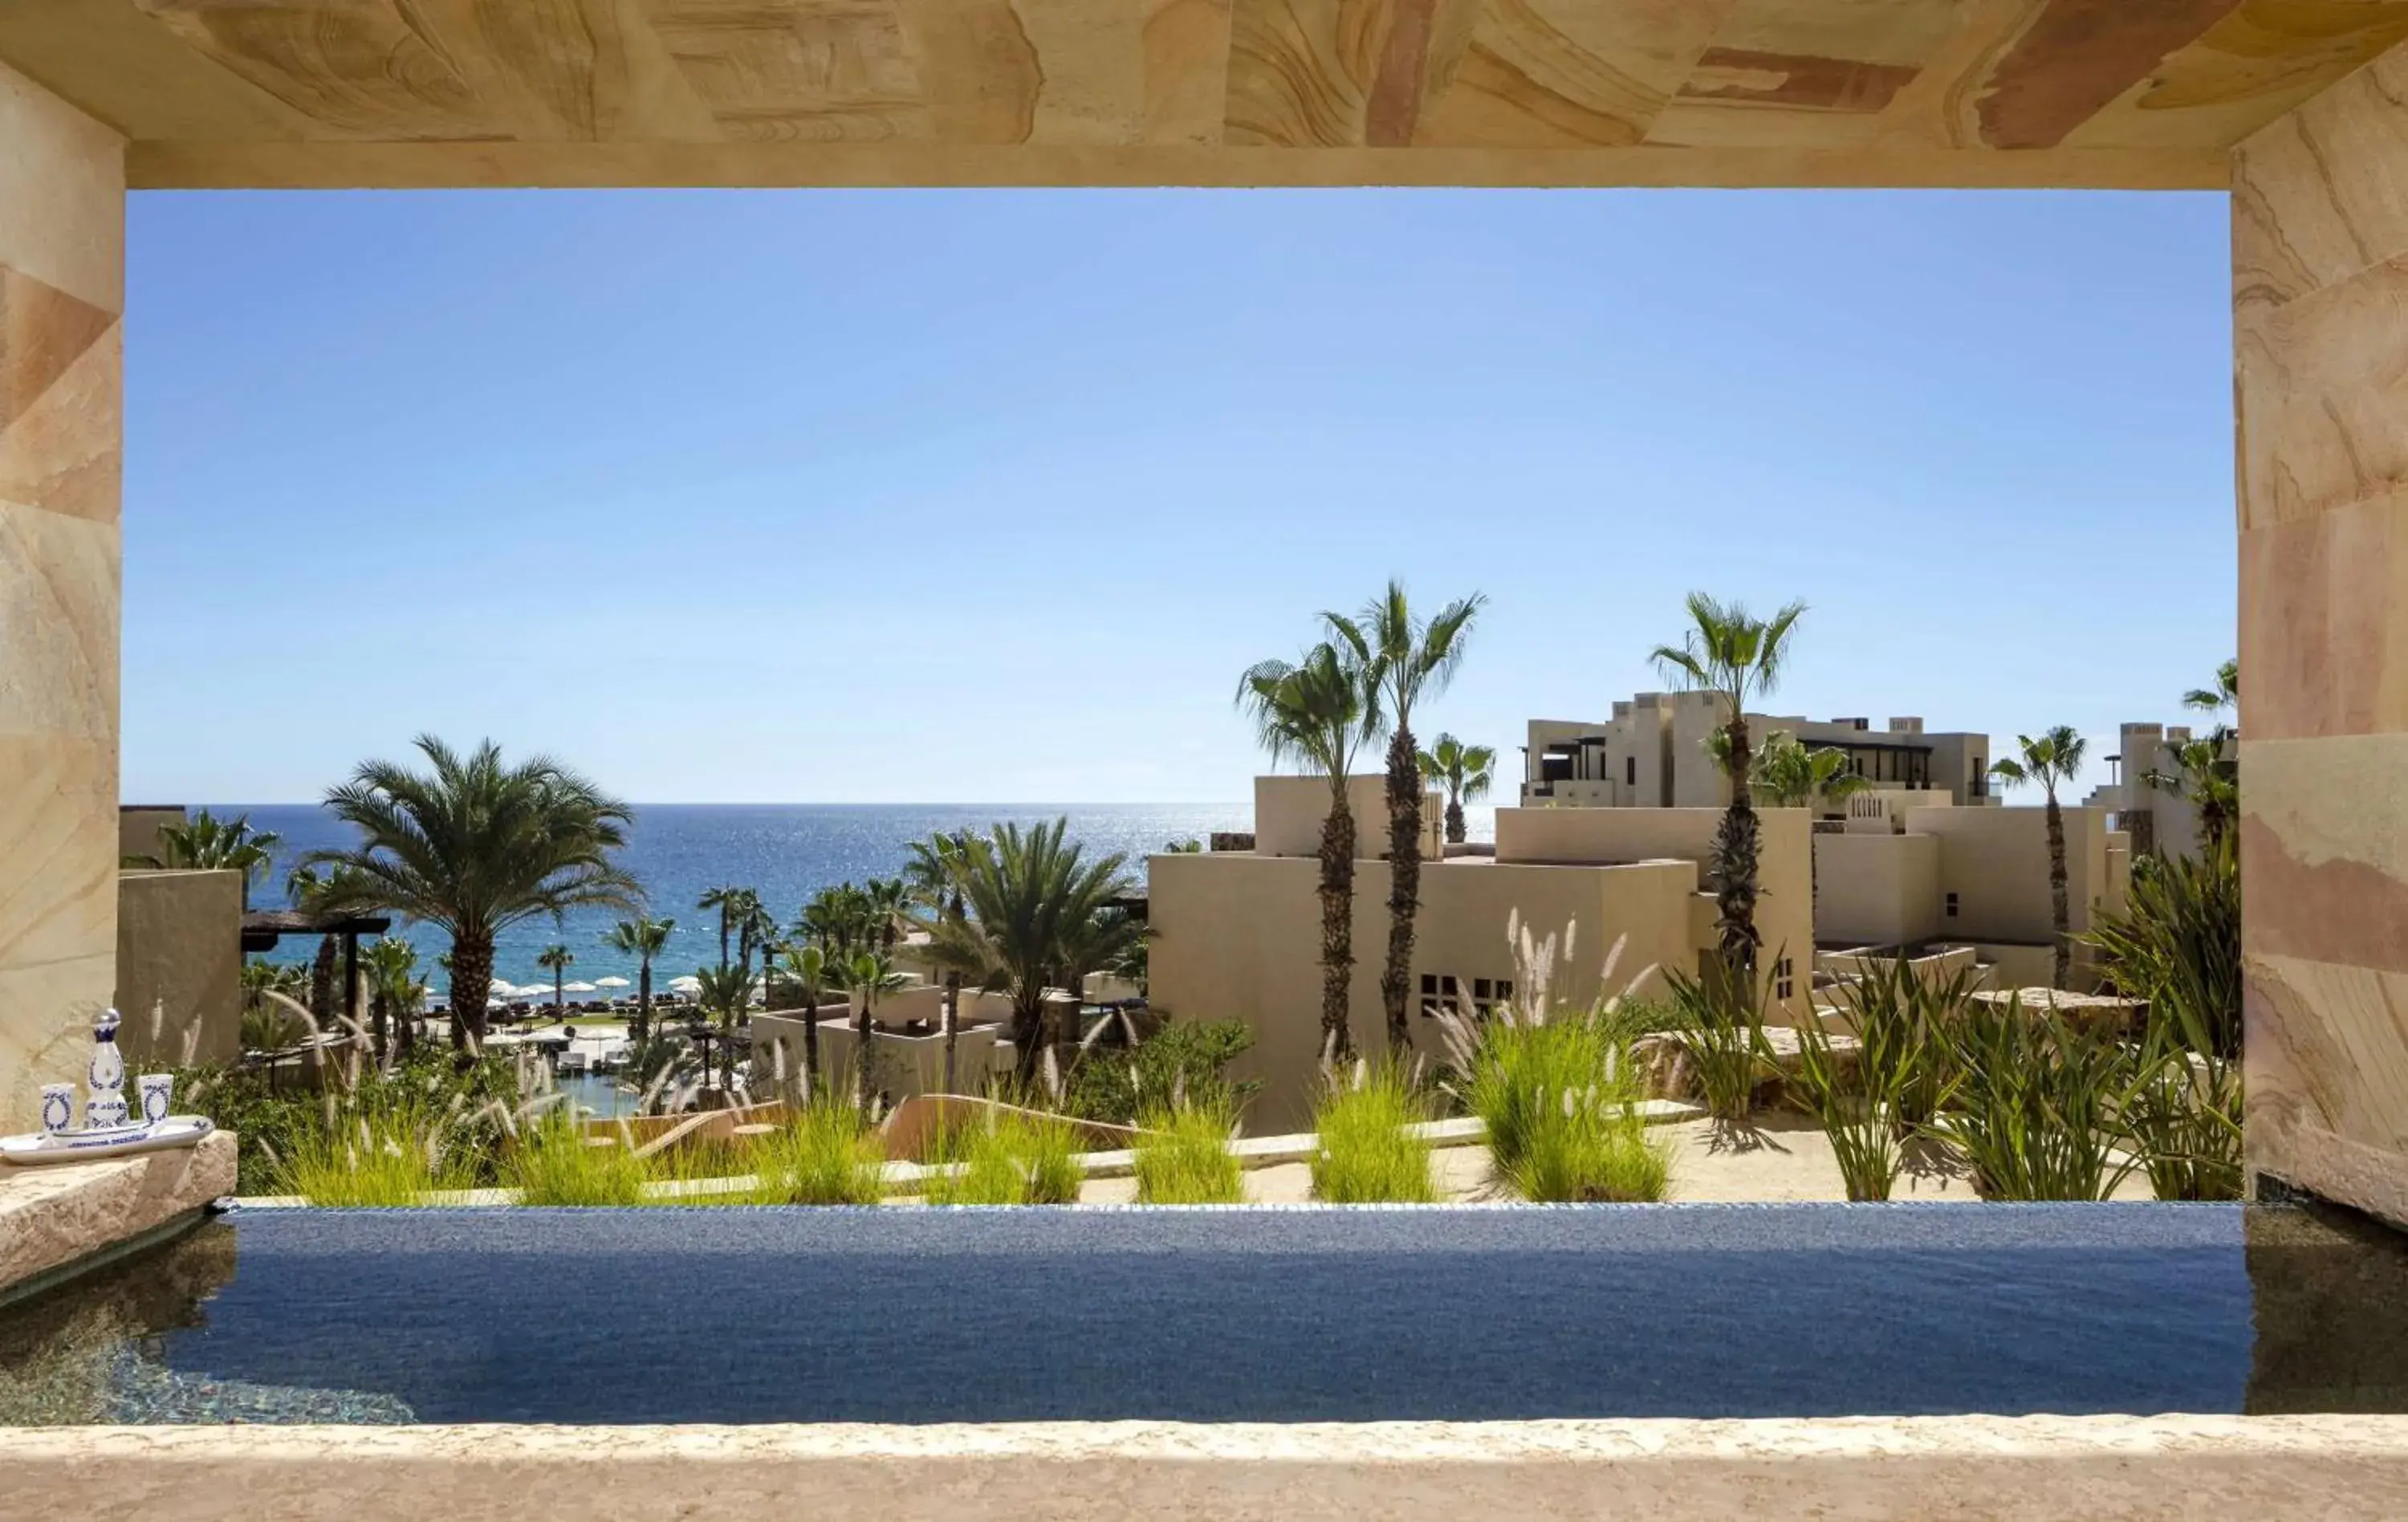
column 735, row 1316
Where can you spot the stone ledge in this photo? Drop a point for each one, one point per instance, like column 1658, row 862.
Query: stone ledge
column 50, row 1217
column 1864, row 1468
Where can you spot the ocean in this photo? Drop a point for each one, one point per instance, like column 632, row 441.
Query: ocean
column 786, row 851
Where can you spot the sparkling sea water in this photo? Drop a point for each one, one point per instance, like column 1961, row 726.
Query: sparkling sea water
column 786, row 851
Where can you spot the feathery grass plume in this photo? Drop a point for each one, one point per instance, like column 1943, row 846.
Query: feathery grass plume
column 1719, row 1023
column 1184, row 1158
column 1594, row 1148
column 395, row 1158
column 1015, row 1159
column 2038, row 1103
column 1560, row 1104
column 1365, row 1154
column 822, row 1155
column 554, row 1162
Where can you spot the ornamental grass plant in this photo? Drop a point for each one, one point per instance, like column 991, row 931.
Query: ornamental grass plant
column 1365, row 1154
column 1184, row 1158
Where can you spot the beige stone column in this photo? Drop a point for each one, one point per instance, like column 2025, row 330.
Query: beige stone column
column 2321, row 259
column 62, row 289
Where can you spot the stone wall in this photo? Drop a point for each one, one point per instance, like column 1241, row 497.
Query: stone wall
column 2320, row 328
column 62, row 288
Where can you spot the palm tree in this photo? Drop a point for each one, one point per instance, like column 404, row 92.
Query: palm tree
column 866, row 976
column 394, row 990
column 643, row 939
column 301, row 889
column 554, row 960
column 809, row 968
column 1466, row 771
column 2055, row 757
column 208, row 844
column 1736, row 655
column 933, row 875
column 727, row 992
column 474, row 846
column 1404, row 658
column 727, row 900
column 755, row 927
column 2203, row 774
column 1790, row 775
column 2224, row 695
column 1317, row 712
column 1032, row 902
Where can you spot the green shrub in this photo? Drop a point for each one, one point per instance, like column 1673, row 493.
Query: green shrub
column 555, row 1163
column 1184, row 1158
column 2037, row 1103
column 1365, row 1154
column 1016, row 1160
column 2178, row 946
column 823, row 1157
column 1718, row 1020
column 1183, row 1065
column 274, row 1118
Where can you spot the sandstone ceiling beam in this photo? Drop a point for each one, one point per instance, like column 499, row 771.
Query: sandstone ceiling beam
column 432, row 166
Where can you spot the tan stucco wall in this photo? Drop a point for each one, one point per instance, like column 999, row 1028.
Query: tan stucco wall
column 179, row 966
column 1996, row 861
column 2041, row 1469
column 62, row 287
column 1288, row 812
column 1239, row 936
column 1877, row 889
column 138, row 830
column 1785, row 906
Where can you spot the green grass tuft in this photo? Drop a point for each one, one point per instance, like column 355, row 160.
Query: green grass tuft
column 555, row 1163
column 823, row 1156
column 1184, row 1158
column 1366, row 1155
column 1016, row 1160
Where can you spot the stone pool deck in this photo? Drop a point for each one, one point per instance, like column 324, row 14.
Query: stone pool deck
column 2341, row 1469
column 55, row 1215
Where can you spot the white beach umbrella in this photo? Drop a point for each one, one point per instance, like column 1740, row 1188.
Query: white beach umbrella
column 577, row 988
column 687, row 985
column 499, row 988
column 612, row 982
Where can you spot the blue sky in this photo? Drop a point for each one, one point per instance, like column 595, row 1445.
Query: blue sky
column 989, row 496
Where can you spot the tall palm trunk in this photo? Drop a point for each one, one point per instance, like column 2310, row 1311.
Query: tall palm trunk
column 322, row 983
column 811, row 1044
column 643, row 1022
column 953, row 1020
column 861, row 1059
column 1736, row 848
column 379, row 1020
column 2059, row 912
column 472, row 984
column 1337, row 927
column 1455, row 833
column 1404, row 884
column 722, row 937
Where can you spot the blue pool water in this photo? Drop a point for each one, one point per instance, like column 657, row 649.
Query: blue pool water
column 923, row 1315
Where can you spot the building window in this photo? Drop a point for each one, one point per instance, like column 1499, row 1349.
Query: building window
column 1952, row 906
column 1630, row 772
column 1489, row 993
column 1440, row 993
column 1783, row 984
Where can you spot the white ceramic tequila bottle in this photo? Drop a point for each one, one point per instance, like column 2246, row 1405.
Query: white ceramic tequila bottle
column 105, row 1102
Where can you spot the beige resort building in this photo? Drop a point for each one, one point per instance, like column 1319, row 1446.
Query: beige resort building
column 1651, row 754
column 1612, row 839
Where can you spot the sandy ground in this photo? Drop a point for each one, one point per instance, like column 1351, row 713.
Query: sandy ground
column 1779, row 1157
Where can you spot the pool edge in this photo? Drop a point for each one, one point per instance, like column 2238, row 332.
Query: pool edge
column 2106, row 1467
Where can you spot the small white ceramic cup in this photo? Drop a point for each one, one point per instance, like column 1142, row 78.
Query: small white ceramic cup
column 58, row 1107
column 157, row 1090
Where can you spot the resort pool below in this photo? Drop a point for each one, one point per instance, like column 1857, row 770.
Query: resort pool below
column 737, row 1316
